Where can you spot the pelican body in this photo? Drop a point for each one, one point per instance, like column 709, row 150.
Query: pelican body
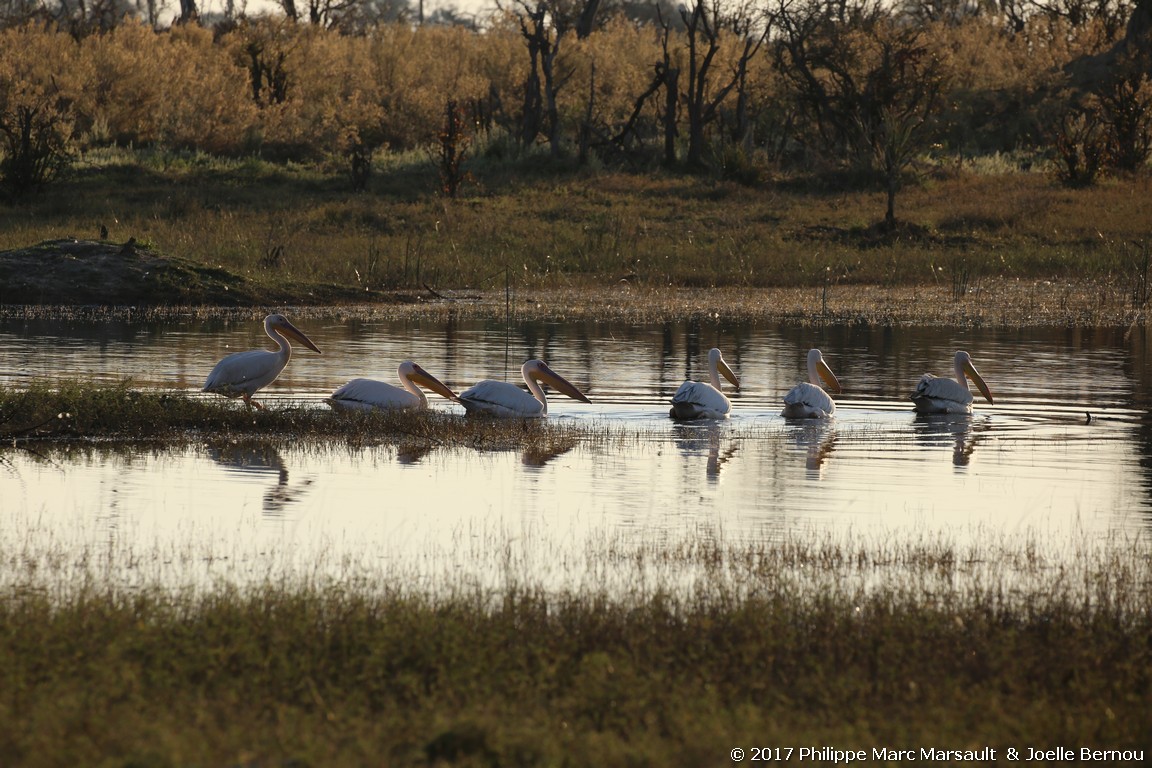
column 505, row 400
column 937, row 394
column 807, row 400
column 242, row 374
column 369, row 394
column 701, row 400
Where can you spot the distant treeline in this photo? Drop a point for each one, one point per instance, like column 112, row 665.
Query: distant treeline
column 733, row 87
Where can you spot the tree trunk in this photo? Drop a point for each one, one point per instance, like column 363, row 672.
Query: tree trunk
column 587, row 19
column 188, row 12
column 672, row 89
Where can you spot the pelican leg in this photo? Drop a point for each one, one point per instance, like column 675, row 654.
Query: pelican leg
column 248, row 401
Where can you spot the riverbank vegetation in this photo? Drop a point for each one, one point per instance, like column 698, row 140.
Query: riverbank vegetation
column 392, row 156
column 58, row 412
column 795, row 643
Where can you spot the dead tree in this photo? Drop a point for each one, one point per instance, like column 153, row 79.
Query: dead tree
column 706, row 23
column 667, row 79
column 542, row 34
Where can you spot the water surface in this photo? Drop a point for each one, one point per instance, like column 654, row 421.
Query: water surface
column 1062, row 457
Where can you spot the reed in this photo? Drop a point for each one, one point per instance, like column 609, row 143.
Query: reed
column 796, row 642
column 54, row 412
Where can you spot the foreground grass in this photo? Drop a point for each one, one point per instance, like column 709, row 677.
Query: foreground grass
column 796, row 643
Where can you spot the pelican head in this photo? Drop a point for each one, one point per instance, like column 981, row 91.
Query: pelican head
column 417, row 375
column 281, row 324
column 717, row 366
column 818, row 371
column 538, row 371
column 964, row 367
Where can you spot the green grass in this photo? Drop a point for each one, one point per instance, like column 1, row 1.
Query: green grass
column 801, row 642
column 284, row 224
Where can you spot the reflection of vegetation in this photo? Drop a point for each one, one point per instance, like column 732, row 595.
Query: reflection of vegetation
column 797, row 642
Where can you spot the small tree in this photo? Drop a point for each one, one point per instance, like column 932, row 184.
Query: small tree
column 868, row 87
column 1081, row 144
column 1125, row 100
column 36, row 128
column 454, row 141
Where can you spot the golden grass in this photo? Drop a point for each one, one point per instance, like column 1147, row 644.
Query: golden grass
column 294, row 231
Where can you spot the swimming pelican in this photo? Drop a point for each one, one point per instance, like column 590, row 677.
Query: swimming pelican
column 699, row 400
column 242, row 374
column 367, row 394
column 499, row 398
column 807, row 400
column 936, row 394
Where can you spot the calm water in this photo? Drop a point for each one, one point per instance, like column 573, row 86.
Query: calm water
column 1032, row 467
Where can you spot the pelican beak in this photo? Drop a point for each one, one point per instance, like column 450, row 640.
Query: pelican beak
column 973, row 374
column 425, row 379
column 546, row 375
column 828, row 377
column 727, row 373
column 297, row 335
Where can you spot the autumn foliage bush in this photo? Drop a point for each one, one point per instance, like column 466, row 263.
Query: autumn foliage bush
column 284, row 90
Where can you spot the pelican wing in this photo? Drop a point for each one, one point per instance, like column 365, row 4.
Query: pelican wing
column 808, row 401
column 368, row 394
column 697, row 400
column 245, row 372
column 499, row 398
column 937, row 394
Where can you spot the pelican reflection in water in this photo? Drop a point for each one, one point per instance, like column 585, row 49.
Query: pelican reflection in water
column 242, row 374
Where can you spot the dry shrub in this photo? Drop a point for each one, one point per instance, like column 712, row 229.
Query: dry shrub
column 172, row 89
column 323, row 93
column 999, row 80
column 623, row 56
column 38, row 77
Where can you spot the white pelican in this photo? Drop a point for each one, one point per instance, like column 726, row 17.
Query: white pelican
column 698, row 400
column 367, row 394
column 499, row 398
column 242, row 374
column 807, row 400
column 936, row 394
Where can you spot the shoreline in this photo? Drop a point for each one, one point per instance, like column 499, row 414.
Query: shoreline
column 992, row 303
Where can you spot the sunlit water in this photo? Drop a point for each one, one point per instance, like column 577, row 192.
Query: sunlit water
column 1062, row 458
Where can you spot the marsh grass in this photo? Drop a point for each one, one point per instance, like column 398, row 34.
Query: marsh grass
column 804, row 640
column 286, row 227
column 44, row 413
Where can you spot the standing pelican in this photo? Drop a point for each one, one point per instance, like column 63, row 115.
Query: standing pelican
column 242, row 374
column 807, row 400
column 499, row 398
column 367, row 394
column 936, row 394
column 699, row 400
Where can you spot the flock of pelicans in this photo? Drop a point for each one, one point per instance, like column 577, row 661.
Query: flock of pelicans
column 242, row 374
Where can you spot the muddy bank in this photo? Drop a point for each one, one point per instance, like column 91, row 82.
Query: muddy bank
column 70, row 272
column 78, row 278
